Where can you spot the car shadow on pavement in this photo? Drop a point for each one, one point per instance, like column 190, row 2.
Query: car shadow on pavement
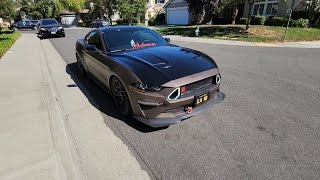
column 101, row 100
column 49, row 37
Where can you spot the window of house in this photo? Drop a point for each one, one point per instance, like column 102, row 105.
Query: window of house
column 159, row 1
column 271, row 8
column 265, row 7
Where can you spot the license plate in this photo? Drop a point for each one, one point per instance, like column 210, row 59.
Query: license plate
column 201, row 99
column 53, row 32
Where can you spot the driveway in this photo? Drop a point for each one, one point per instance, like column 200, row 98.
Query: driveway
column 266, row 128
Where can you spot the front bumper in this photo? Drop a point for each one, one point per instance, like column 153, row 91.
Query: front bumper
column 52, row 33
column 166, row 119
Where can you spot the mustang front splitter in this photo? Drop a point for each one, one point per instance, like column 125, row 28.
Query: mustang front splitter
column 161, row 122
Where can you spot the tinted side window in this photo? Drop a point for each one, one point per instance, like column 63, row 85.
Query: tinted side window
column 94, row 39
column 20, row 23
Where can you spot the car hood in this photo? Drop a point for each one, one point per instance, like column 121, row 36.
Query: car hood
column 161, row 64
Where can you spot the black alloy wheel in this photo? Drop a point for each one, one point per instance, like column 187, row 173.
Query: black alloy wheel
column 120, row 97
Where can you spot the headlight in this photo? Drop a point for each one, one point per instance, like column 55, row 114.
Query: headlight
column 43, row 29
column 147, row 87
column 59, row 28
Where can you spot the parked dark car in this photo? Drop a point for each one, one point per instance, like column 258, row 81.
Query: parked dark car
column 23, row 24
column 99, row 23
column 50, row 27
column 157, row 83
column 35, row 22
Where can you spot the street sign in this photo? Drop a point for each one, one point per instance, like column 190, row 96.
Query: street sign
column 289, row 12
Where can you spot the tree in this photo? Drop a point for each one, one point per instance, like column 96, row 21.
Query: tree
column 42, row 9
column 73, row 5
column 313, row 7
column 98, row 9
column 7, row 9
column 57, row 8
column 232, row 4
column 129, row 9
column 203, row 10
column 111, row 7
column 26, row 6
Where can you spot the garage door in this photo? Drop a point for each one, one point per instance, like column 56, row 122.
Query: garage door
column 179, row 16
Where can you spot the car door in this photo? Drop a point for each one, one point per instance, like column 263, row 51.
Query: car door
column 29, row 25
column 23, row 24
column 97, row 60
column 20, row 25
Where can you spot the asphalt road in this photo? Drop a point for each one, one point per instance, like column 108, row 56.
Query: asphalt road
column 266, row 128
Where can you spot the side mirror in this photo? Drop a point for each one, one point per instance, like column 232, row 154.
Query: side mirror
column 167, row 39
column 91, row 48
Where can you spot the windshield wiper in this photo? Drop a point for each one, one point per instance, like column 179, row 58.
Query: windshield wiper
column 120, row 50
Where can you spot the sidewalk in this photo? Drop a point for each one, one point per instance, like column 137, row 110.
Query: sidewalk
column 311, row 44
column 27, row 148
column 49, row 130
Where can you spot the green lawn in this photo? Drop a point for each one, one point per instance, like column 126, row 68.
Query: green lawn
column 7, row 39
column 237, row 32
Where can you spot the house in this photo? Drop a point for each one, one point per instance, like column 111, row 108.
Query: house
column 177, row 12
column 154, row 7
column 270, row 7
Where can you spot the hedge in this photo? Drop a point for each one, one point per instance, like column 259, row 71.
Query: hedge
column 243, row 20
column 281, row 21
column 124, row 21
column 258, row 20
column 276, row 21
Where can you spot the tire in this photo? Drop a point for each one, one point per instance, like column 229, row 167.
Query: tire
column 81, row 69
column 63, row 35
column 120, row 97
column 15, row 29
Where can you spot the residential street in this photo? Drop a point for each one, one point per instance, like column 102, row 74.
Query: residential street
column 266, row 128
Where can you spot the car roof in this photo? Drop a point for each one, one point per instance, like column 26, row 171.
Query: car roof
column 48, row 19
column 117, row 28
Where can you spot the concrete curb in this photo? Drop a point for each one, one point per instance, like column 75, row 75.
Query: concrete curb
column 69, row 165
column 96, row 152
column 311, row 44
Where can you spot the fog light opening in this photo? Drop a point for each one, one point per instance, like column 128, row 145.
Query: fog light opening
column 175, row 94
column 218, row 79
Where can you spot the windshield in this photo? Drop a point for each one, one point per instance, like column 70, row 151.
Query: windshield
column 132, row 39
column 49, row 22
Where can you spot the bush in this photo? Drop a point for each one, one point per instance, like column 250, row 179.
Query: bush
column 243, row 20
column 302, row 23
column 125, row 21
column 300, row 14
column 276, row 21
column 119, row 21
column 281, row 21
column 157, row 20
column 258, row 20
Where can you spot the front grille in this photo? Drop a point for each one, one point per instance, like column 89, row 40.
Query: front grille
column 198, row 85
